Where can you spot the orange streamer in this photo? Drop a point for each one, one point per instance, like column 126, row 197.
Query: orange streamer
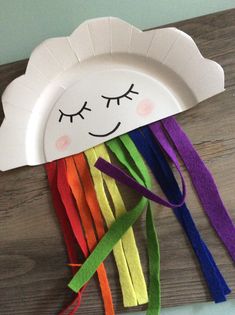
column 84, row 212
column 86, row 179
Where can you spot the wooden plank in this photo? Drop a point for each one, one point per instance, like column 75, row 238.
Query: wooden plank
column 33, row 272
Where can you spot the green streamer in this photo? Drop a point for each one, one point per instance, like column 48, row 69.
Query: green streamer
column 105, row 246
column 154, row 291
column 152, row 241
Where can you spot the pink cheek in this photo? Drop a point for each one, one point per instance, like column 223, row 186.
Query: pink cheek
column 145, row 107
column 62, row 143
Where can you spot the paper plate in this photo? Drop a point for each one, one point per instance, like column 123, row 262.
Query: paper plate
column 104, row 80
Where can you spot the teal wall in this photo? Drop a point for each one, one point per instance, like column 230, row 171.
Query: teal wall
column 25, row 23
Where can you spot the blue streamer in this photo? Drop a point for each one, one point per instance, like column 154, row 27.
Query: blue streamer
column 155, row 159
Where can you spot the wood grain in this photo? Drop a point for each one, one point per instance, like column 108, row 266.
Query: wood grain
column 33, row 272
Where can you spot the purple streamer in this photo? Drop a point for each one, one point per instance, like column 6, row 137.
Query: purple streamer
column 201, row 178
column 119, row 175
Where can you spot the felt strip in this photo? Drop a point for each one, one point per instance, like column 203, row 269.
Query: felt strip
column 70, row 241
column 152, row 241
column 68, row 201
column 107, row 243
column 154, row 305
column 183, row 215
column 128, row 239
column 128, row 292
column 204, row 184
column 119, row 175
column 90, row 195
column 105, row 246
column 99, row 188
column 75, row 304
column 166, row 180
column 190, row 229
column 84, row 212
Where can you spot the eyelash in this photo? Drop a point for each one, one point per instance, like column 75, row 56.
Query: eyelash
column 125, row 95
column 73, row 115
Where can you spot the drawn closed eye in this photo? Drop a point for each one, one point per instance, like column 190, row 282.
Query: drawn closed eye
column 79, row 113
column 118, row 98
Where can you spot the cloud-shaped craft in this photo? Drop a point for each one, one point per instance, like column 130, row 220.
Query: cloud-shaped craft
column 105, row 79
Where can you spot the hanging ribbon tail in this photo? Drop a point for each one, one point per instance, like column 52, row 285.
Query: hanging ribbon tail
column 204, row 184
column 154, row 289
column 163, row 174
column 91, row 199
column 89, row 230
column 69, row 204
column 160, row 135
column 154, row 305
column 115, row 172
column 74, row 305
column 105, row 246
column 127, row 288
column 128, row 240
column 69, row 239
column 116, row 230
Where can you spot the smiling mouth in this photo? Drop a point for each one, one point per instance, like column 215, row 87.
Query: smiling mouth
column 106, row 134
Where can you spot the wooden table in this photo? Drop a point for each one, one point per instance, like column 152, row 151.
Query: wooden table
column 33, row 272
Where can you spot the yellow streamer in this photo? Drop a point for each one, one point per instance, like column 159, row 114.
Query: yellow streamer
column 128, row 292
column 128, row 239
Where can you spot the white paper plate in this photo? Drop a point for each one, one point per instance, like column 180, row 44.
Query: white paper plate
column 123, row 78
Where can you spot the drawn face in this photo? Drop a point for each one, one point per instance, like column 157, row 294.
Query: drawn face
column 101, row 107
